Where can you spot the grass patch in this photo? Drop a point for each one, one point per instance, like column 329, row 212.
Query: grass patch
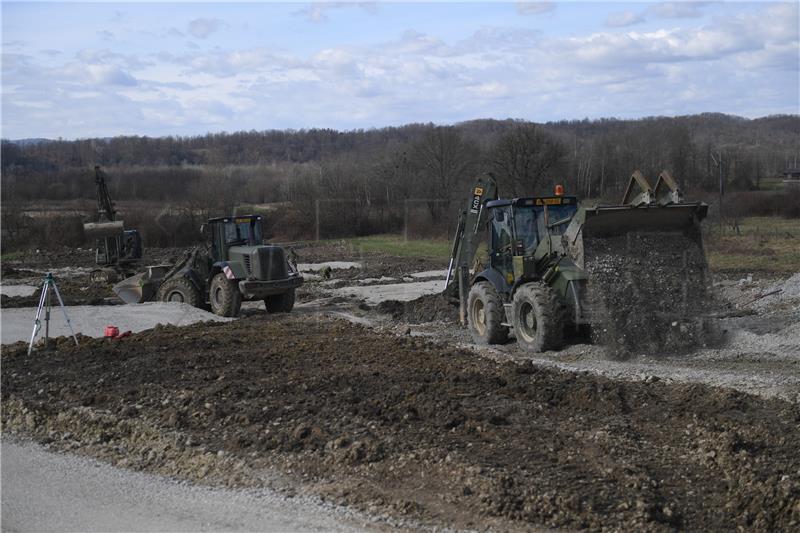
column 396, row 245
column 11, row 256
column 762, row 244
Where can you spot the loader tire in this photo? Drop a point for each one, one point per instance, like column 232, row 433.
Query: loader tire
column 485, row 315
column 538, row 318
column 226, row 300
column 103, row 276
column 280, row 303
column 179, row 289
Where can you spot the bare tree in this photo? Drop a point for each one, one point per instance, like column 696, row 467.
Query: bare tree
column 442, row 160
column 524, row 155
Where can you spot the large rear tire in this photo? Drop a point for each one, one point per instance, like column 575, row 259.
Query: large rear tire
column 226, row 300
column 280, row 303
column 538, row 318
column 485, row 315
column 179, row 289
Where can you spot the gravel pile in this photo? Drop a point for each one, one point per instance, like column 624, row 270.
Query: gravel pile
column 649, row 293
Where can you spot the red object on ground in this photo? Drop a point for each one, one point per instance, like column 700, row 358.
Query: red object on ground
column 111, row 332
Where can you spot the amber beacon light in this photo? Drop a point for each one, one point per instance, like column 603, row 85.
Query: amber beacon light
column 559, row 190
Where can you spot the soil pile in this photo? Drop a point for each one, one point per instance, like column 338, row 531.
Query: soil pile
column 74, row 290
column 426, row 308
column 412, row 428
column 649, row 293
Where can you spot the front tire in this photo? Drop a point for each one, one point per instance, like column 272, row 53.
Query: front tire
column 280, row 303
column 226, row 300
column 103, row 276
column 179, row 289
column 538, row 318
column 485, row 315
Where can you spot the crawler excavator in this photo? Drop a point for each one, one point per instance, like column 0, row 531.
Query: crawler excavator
column 536, row 282
column 118, row 250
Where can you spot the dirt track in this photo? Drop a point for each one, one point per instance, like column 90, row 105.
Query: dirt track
column 403, row 426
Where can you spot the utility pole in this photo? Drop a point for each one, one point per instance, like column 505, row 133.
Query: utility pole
column 718, row 162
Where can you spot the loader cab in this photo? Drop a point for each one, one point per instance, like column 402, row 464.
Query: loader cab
column 233, row 231
column 519, row 225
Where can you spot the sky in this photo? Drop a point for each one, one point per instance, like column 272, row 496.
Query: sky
column 100, row 69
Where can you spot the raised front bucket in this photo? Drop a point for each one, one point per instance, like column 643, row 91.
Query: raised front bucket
column 607, row 221
column 647, row 282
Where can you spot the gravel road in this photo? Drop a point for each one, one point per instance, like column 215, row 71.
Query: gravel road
column 44, row 491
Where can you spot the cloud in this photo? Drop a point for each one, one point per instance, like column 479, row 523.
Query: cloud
column 203, row 27
column 740, row 60
column 534, row 8
column 110, row 75
column 105, row 35
column 679, row 10
column 16, row 43
column 318, row 11
column 624, row 18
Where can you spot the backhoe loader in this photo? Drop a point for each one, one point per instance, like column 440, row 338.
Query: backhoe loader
column 553, row 264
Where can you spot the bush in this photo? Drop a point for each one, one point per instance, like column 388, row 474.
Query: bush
column 784, row 203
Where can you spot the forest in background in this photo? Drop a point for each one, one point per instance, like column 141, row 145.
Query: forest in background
column 326, row 183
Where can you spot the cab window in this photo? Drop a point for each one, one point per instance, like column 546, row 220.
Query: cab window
column 525, row 228
column 243, row 231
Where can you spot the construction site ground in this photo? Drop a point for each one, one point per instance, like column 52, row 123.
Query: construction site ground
column 371, row 397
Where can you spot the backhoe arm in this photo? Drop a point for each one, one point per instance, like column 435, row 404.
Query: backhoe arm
column 469, row 232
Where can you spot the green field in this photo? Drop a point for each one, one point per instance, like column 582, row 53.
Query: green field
column 398, row 246
column 763, row 244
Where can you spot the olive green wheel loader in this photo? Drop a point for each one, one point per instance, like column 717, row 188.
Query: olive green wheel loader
column 233, row 266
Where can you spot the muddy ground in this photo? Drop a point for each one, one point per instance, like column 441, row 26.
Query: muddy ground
column 404, row 418
column 412, row 428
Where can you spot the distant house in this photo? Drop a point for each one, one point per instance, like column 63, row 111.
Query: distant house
column 791, row 174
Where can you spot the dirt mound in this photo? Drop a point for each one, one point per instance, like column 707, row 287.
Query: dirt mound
column 426, row 308
column 412, row 428
column 74, row 290
column 649, row 293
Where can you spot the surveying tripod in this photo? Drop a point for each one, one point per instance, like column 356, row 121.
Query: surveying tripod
column 44, row 305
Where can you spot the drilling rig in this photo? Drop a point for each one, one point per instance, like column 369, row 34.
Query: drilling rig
column 118, row 250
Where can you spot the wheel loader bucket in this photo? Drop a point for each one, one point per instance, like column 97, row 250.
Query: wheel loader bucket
column 608, row 221
column 644, row 209
column 141, row 287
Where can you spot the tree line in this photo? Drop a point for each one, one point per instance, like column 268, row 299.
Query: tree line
column 322, row 182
